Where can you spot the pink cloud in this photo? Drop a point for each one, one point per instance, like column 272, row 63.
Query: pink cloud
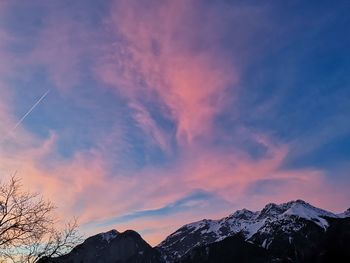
column 156, row 50
column 83, row 186
column 153, row 61
column 230, row 178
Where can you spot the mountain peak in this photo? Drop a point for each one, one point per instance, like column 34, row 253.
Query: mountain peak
column 110, row 246
column 346, row 213
column 109, row 235
column 297, row 208
column 299, row 201
column 284, row 206
column 285, row 218
column 271, row 209
column 242, row 214
column 277, row 228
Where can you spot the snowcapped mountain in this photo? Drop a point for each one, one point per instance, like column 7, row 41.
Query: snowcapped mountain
column 284, row 222
column 290, row 232
column 344, row 214
column 310, row 245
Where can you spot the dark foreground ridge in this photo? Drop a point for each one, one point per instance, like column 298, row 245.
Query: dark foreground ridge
column 291, row 232
column 111, row 247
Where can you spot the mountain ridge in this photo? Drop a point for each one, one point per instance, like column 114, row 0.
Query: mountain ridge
column 292, row 231
column 291, row 216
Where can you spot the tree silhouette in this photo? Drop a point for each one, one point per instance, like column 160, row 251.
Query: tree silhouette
column 27, row 226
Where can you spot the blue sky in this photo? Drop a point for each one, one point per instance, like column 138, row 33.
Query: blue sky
column 174, row 111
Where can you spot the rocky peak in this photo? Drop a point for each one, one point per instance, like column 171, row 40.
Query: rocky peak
column 345, row 214
column 271, row 209
column 108, row 236
column 244, row 214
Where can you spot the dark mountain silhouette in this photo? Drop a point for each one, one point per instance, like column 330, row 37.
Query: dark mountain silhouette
column 112, row 246
column 231, row 249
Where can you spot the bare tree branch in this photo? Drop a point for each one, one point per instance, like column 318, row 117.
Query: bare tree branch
column 27, row 231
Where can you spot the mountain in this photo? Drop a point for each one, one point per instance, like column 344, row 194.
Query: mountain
column 110, row 247
column 332, row 246
column 345, row 214
column 290, row 232
column 272, row 228
column 231, row 249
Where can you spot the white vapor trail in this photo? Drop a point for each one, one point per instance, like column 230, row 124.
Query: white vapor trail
column 30, row 110
column 27, row 113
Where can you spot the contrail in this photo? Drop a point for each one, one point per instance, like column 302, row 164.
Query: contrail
column 27, row 113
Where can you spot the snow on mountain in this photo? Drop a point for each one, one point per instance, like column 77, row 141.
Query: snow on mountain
column 304, row 210
column 290, row 232
column 260, row 226
column 108, row 236
column 344, row 214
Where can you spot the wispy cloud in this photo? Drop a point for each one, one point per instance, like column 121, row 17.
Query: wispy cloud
column 192, row 86
column 158, row 59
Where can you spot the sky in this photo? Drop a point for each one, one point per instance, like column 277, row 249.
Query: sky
column 147, row 115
